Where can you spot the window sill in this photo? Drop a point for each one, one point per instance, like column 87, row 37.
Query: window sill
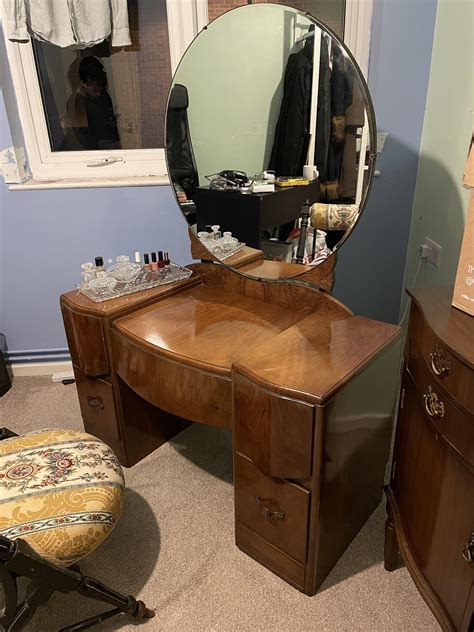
column 92, row 183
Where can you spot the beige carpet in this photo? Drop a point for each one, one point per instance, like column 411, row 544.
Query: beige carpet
column 174, row 546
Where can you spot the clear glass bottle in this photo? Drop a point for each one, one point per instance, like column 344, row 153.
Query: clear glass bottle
column 103, row 282
column 228, row 243
column 88, row 272
column 123, row 270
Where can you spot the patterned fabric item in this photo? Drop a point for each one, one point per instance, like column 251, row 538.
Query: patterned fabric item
column 61, row 491
column 334, row 216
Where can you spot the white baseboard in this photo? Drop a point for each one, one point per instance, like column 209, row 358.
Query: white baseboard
column 39, row 368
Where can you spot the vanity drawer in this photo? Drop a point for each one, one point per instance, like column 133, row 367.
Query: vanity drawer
column 275, row 432
column 86, row 341
column 96, row 398
column 446, row 369
column 276, row 510
column 454, row 426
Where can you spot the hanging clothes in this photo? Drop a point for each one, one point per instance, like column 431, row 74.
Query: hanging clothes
column 78, row 23
column 290, row 144
column 340, row 111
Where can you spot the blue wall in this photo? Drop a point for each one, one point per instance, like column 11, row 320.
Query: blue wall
column 46, row 235
column 370, row 268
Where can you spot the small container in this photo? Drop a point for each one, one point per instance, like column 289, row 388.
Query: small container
column 123, row 270
column 103, row 282
column 146, row 262
column 154, row 262
column 88, row 272
column 99, row 263
column 167, row 260
column 161, row 261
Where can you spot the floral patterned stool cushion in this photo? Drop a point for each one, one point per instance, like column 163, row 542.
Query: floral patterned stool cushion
column 61, row 491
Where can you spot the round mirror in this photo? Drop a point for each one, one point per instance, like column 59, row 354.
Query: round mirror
column 270, row 141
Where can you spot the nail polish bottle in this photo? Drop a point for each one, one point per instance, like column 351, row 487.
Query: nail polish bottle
column 99, row 263
column 161, row 262
column 137, row 257
column 167, row 260
column 146, row 262
column 154, row 263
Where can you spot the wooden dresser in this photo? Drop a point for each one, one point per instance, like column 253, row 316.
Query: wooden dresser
column 431, row 491
column 308, row 388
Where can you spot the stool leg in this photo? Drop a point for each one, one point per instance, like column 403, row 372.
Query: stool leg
column 25, row 612
column 93, row 589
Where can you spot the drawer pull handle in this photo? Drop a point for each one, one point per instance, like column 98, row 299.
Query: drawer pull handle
column 279, row 515
column 468, row 550
column 440, row 363
column 433, row 406
column 95, row 403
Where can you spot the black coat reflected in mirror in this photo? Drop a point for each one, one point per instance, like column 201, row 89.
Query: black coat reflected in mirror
column 268, row 112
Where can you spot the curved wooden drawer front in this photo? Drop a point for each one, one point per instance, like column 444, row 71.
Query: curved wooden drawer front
column 275, row 432
column 86, row 341
column 179, row 389
column 443, row 366
column 274, row 509
column 457, row 428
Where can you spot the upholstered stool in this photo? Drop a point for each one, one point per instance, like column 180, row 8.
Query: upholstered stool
column 61, row 492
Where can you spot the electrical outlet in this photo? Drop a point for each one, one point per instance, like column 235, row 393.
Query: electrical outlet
column 432, row 251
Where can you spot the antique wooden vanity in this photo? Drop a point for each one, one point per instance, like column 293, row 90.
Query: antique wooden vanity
column 257, row 346
column 307, row 387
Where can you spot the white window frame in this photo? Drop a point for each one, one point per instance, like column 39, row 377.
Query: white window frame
column 132, row 167
column 91, row 168
column 358, row 31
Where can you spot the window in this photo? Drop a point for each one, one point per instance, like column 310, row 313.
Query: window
column 97, row 114
column 95, row 117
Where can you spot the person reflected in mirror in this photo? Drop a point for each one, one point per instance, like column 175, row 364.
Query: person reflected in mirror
column 90, row 109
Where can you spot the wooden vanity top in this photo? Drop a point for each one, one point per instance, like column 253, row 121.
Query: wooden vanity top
column 207, row 327
column 214, row 330
column 316, row 356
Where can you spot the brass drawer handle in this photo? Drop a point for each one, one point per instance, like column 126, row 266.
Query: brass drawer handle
column 279, row 515
column 468, row 550
column 440, row 362
column 95, row 403
column 434, row 407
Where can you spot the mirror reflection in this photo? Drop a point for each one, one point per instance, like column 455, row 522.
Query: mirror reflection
column 269, row 132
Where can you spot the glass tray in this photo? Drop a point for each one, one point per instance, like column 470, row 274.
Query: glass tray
column 219, row 253
column 164, row 276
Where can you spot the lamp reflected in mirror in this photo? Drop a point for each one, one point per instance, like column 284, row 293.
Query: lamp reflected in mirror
column 270, row 140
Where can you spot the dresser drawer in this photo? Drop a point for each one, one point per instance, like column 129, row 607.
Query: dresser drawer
column 96, row 398
column 274, row 509
column 275, row 432
column 444, row 368
column 454, row 426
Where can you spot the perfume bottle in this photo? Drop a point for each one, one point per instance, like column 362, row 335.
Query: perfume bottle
column 103, row 282
column 123, row 270
column 88, row 272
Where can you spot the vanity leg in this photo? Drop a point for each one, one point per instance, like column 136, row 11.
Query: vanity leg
column 391, row 544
